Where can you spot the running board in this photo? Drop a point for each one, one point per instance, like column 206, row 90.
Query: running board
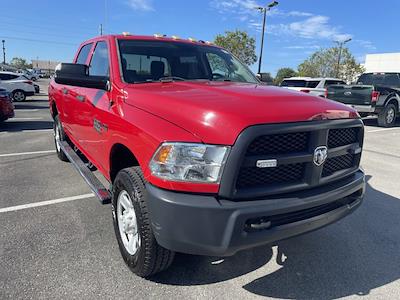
column 94, row 183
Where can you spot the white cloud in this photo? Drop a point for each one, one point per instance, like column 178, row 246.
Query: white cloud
column 296, row 13
column 143, row 5
column 303, row 47
column 309, row 26
column 366, row 44
column 315, row 27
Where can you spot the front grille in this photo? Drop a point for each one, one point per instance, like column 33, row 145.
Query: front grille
column 337, row 163
column 342, row 136
column 279, row 144
column 250, row 177
column 293, row 151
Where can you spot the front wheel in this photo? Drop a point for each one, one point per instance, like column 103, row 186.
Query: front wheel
column 132, row 225
column 18, row 96
column 387, row 117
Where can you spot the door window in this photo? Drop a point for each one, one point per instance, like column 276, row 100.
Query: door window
column 83, row 54
column 99, row 65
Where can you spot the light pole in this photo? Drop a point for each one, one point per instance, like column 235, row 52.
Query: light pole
column 4, row 52
column 264, row 11
column 340, row 55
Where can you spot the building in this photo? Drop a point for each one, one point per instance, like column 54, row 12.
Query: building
column 44, row 65
column 383, row 62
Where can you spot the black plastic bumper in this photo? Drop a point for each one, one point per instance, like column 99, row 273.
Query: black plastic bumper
column 204, row 225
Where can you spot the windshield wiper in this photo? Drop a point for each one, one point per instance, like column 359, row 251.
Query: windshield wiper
column 171, row 78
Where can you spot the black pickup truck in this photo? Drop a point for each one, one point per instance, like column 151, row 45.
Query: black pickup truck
column 373, row 94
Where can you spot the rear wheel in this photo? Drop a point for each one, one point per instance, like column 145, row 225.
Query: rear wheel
column 18, row 95
column 132, row 225
column 387, row 117
column 59, row 136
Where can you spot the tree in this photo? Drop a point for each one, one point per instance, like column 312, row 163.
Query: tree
column 20, row 63
column 284, row 73
column 324, row 63
column 240, row 44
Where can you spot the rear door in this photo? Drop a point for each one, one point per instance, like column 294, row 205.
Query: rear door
column 91, row 130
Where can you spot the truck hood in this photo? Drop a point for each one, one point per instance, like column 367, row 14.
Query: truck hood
column 216, row 112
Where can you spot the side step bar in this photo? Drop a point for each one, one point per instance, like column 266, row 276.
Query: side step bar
column 94, row 183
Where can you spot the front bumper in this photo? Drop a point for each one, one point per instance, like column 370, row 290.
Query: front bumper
column 205, row 225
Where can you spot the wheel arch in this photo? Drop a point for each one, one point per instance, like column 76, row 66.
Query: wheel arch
column 394, row 99
column 120, row 157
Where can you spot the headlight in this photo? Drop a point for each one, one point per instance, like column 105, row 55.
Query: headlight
column 189, row 162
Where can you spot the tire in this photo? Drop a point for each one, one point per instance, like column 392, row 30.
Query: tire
column 387, row 117
column 59, row 135
column 34, row 78
column 145, row 257
column 18, row 95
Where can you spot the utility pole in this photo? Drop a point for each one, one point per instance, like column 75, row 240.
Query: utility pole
column 340, row 55
column 264, row 11
column 4, row 52
column 101, row 29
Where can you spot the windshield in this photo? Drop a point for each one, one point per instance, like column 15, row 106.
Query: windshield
column 150, row 61
column 387, row 79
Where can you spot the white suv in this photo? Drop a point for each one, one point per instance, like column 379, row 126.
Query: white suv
column 313, row 86
column 18, row 85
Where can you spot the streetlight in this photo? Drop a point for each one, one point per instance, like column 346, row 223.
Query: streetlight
column 340, row 54
column 4, row 52
column 264, row 11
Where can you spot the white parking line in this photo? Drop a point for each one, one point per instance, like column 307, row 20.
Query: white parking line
column 44, row 203
column 383, row 129
column 27, row 153
column 27, row 110
column 26, row 131
column 24, row 119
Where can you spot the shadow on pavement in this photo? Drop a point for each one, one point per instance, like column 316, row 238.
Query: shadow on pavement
column 16, row 126
column 374, row 122
column 350, row 258
column 28, row 106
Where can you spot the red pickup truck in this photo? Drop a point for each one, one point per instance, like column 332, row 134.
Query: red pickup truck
column 200, row 157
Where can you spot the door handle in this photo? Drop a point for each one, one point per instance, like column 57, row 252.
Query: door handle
column 80, row 98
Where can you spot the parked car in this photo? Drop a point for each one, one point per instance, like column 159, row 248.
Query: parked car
column 6, row 106
column 31, row 76
column 17, row 84
column 376, row 94
column 312, row 86
column 201, row 158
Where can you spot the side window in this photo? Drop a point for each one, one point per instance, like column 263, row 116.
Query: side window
column 392, row 80
column 313, row 84
column 83, row 54
column 331, row 82
column 12, row 77
column 217, row 65
column 3, row 77
column 99, row 65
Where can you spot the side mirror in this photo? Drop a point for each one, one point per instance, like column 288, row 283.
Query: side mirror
column 78, row 75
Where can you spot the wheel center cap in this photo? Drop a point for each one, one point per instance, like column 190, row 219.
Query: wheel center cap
column 129, row 222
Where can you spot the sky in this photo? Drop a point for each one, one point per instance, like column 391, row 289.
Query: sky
column 52, row 30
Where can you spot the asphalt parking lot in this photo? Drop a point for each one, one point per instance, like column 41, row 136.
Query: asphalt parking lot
column 67, row 248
